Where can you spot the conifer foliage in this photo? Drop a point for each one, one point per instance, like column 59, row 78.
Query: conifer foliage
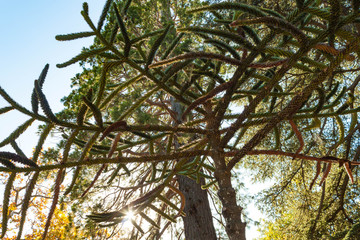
column 230, row 86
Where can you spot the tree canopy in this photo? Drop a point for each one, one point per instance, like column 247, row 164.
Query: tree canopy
column 204, row 90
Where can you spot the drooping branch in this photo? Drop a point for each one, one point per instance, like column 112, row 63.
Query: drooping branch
column 291, row 108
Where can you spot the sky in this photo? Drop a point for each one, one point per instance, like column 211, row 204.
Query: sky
column 27, row 44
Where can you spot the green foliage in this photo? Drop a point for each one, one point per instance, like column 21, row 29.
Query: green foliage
column 6, row 109
column 34, row 97
column 17, row 158
column 156, row 45
column 44, row 103
column 253, row 10
column 123, row 31
column 220, row 33
column 45, row 133
column 104, row 14
column 15, row 134
column 353, row 232
column 25, row 205
column 73, row 36
column 82, row 56
column 96, row 112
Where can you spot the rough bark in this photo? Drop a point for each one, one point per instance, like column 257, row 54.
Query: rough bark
column 198, row 223
column 234, row 226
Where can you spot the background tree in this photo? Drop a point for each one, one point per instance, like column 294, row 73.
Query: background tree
column 284, row 67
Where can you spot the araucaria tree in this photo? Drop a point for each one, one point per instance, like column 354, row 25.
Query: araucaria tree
column 174, row 91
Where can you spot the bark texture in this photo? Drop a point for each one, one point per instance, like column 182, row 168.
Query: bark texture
column 198, row 222
column 235, row 227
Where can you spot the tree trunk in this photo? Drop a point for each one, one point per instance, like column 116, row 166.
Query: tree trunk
column 198, row 223
column 235, row 227
column 231, row 211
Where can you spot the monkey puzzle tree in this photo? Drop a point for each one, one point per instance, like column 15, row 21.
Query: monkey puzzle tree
column 159, row 106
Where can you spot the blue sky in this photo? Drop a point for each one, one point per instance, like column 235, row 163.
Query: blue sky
column 28, row 43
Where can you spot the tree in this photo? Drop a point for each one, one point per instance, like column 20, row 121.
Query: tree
column 159, row 107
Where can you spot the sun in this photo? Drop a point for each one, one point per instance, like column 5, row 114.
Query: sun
column 128, row 218
column 129, row 215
